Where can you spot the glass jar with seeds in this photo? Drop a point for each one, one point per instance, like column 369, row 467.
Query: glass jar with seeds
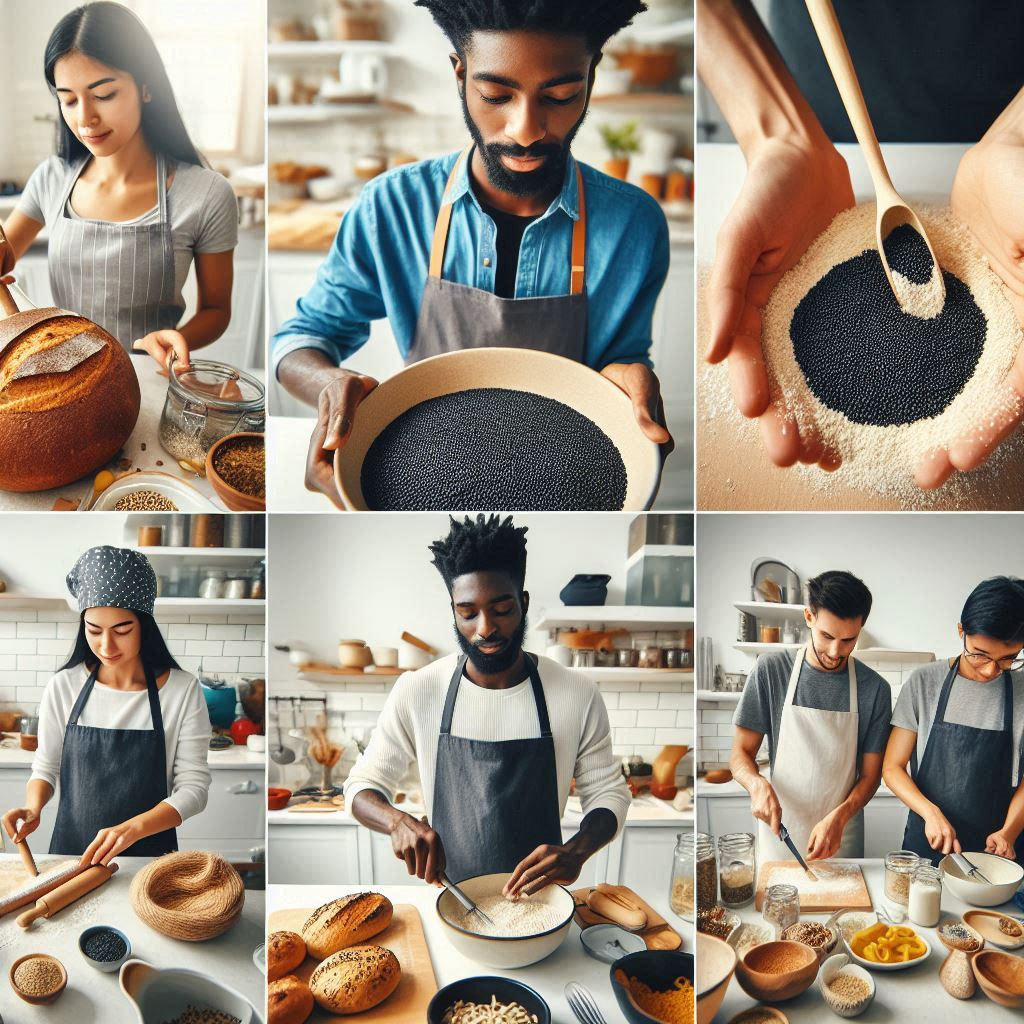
column 707, row 872
column 781, row 907
column 899, row 867
column 682, row 891
column 737, row 868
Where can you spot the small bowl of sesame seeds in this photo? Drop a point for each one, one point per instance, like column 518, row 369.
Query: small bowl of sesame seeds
column 151, row 490
column 237, row 467
column 847, row 989
column 38, row 978
column 105, row 947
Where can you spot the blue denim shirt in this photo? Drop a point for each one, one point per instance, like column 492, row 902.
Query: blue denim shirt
column 377, row 265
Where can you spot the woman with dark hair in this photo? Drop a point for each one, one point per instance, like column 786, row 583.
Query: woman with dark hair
column 960, row 724
column 127, row 201
column 121, row 726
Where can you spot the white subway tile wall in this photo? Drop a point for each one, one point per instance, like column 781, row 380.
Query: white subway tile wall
column 33, row 643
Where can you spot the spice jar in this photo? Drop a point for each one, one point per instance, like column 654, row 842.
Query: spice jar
column 206, row 402
column 925, row 904
column 781, row 907
column 176, row 532
column 737, row 869
column 236, row 531
column 707, row 873
column 681, row 893
column 899, row 866
column 207, row 531
column 151, row 536
column 237, row 587
column 258, row 584
column 212, row 586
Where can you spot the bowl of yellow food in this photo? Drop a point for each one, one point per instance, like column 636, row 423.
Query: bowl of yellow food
column 887, row 947
column 654, row 985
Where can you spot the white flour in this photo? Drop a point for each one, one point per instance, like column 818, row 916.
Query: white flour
column 838, row 881
column 511, row 917
column 879, row 459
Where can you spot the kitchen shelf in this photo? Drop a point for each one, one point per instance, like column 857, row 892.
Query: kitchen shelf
column 664, row 675
column 303, row 49
column 329, row 674
column 758, row 648
column 665, row 104
column 869, row 655
column 16, row 600
column 769, row 609
column 198, row 605
column 661, row 551
column 719, row 696
column 217, row 557
column 315, row 113
column 629, row 616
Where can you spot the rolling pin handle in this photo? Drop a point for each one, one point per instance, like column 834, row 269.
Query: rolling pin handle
column 36, row 912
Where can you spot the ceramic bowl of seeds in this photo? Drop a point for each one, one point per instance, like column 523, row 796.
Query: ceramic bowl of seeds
column 820, row 938
column 237, row 467
column 151, row 490
column 846, row 988
column 38, row 978
column 104, row 947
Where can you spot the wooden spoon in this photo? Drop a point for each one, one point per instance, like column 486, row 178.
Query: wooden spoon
column 891, row 210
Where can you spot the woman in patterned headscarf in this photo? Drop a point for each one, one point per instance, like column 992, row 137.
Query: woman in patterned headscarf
column 121, row 726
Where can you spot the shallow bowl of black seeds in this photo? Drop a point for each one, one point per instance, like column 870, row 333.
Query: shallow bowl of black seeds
column 105, row 947
column 497, row 429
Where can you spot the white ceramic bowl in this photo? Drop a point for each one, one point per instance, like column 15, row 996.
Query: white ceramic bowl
column 504, row 952
column 412, row 657
column 385, row 657
column 829, row 969
column 902, row 965
column 324, row 189
column 1005, row 877
column 181, row 493
column 541, row 373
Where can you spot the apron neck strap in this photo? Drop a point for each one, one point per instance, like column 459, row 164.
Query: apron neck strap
column 947, row 689
column 794, row 678
column 151, row 690
column 535, row 683
column 161, row 187
column 577, row 265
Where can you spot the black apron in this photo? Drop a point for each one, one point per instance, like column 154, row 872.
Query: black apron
column 110, row 775
column 967, row 773
column 494, row 803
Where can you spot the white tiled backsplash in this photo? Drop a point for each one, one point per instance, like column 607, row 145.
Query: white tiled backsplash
column 714, row 718
column 34, row 643
column 644, row 715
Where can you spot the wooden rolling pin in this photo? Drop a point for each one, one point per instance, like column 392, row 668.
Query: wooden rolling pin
column 68, row 893
column 26, row 856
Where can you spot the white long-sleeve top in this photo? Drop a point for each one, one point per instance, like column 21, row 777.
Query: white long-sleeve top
column 410, row 722
column 186, row 729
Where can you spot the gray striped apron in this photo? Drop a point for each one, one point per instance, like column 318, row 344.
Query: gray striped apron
column 120, row 276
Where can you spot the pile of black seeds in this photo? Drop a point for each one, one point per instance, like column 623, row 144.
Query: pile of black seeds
column 493, row 448
column 867, row 359
column 104, row 947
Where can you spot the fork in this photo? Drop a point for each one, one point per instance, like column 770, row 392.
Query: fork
column 582, row 1003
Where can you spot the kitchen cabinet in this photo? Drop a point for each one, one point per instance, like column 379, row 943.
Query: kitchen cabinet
column 645, row 863
column 314, row 855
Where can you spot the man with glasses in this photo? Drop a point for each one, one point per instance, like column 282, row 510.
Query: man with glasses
column 960, row 724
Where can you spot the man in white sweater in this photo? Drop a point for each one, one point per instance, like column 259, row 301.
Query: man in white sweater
column 497, row 735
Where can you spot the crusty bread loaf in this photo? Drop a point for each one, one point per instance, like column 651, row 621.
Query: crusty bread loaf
column 355, row 979
column 346, row 922
column 285, row 951
column 289, row 1001
column 56, row 427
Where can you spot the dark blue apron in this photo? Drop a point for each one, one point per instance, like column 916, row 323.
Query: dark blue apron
column 110, row 775
column 494, row 802
column 967, row 773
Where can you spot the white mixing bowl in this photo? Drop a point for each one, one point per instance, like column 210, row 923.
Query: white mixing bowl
column 1004, row 875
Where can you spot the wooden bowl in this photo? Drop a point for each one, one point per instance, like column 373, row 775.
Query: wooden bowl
column 237, row 501
column 768, row 987
column 716, row 963
column 50, row 996
column 759, row 1013
column 538, row 372
column 986, row 924
column 1001, row 976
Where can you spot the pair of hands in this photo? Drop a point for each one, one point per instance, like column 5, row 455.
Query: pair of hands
column 943, row 839
column 109, row 843
column 791, row 194
column 826, row 837
column 338, row 401
column 415, row 842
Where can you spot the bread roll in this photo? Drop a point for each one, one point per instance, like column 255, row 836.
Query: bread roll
column 59, row 425
column 346, row 922
column 355, row 979
column 289, row 1001
column 285, row 951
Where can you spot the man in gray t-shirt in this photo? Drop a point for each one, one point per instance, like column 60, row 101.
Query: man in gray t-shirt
column 827, row 721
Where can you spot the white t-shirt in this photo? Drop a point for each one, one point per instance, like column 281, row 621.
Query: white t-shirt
column 409, row 724
column 186, row 729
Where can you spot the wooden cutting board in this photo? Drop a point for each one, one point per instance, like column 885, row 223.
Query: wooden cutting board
column 404, row 937
column 839, row 885
column 658, row 934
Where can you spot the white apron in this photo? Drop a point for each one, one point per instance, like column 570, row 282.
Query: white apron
column 815, row 769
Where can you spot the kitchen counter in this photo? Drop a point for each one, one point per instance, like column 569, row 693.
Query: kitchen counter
column 234, row 757
column 909, row 995
column 92, row 995
column 711, row 790
column 142, row 449
column 549, row 977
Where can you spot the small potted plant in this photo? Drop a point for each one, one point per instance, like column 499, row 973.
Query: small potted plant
column 621, row 140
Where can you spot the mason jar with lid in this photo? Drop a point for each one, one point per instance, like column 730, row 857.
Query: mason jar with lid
column 737, row 868
column 682, row 890
column 781, row 907
column 707, row 872
column 899, row 867
column 206, row 402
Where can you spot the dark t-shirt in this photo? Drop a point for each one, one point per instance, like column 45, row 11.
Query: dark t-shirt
column 930, row 70
column 510, row 236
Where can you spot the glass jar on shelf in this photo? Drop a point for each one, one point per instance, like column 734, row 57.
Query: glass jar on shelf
column 258, row 583
column 737, row 868
column 212, row 586
column 236, row 586
column 781, row 907
column 707, row 871
column 682, row 890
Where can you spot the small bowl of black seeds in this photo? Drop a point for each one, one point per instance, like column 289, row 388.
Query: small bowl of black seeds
column 105, row 947
column 485, row 428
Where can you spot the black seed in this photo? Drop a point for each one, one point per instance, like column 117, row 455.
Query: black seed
column 106, row 947
column 493, row 448
column 907, row 253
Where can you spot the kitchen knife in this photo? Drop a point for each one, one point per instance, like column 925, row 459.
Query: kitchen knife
column 464, row 899
column 784, row 833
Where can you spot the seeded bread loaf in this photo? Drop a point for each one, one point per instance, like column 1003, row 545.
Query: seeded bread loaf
column 62, row 415
column 355, row 979
column 285, row 951
column 346, row 922
column 289, row 1001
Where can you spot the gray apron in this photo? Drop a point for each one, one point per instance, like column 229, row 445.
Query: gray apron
column 454, row 316
column 120, row 276
column 494, row 803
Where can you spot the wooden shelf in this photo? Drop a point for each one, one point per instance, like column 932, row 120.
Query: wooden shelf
column 638, row 104
column 316, row 113
column 304, row 49
column 637, row 617
column 316, row 673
